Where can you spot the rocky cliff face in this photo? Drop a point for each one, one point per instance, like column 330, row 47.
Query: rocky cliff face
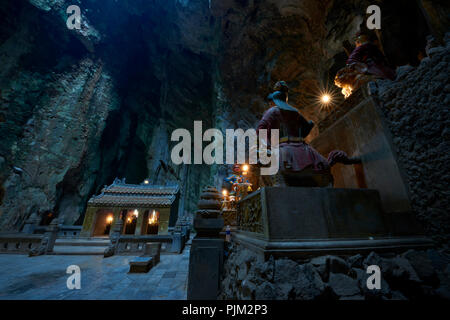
column 81, row 107
column 416, row 107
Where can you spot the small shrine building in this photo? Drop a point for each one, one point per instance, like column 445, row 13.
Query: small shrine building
column 145, row 209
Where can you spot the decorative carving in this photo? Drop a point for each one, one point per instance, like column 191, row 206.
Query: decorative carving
column 249, row 215
column 229, row 217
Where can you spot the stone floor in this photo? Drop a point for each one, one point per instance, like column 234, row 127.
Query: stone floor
column 45, row 277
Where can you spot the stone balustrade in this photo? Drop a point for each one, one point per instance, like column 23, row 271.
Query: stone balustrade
column 19, row 243
column 134, row 245
column 69, row 231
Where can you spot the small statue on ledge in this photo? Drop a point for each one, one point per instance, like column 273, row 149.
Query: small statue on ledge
column 299, row 163
column 366, row 63
column 239, row 184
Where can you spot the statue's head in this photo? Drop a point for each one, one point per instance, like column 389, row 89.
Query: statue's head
column 237, row 168
column 361, row 38
column 281, row 86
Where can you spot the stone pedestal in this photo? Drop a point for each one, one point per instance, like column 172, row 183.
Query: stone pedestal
column 207, row 249
column 292, row 221
column 177, row 243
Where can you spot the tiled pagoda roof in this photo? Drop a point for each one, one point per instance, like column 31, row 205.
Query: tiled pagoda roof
column 120, row 194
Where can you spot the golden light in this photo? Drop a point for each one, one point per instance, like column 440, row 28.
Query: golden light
column 153, row 218
column 146, row 181
column 224, row 192
column 109, row 219
column 347, row 91
column 129, row 220
column 245, row 168
column 326, row 98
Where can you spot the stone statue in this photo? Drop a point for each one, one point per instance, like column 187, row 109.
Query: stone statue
column 114, row 239
column 48, row 240
column 300, row 164
column 366, row 63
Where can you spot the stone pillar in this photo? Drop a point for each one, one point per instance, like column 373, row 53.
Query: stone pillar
column 89, row 222
column 164, row 216
column 207, row 249
column 139, row 221
column 31, row 223
column 116, row 216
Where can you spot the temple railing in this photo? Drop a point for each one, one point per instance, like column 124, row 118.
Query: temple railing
column 69, row 231
column 133, row 245
column 19, row 243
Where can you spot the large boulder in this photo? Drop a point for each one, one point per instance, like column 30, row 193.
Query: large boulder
column 422, row 266
column 308, row 284
column 343, row 285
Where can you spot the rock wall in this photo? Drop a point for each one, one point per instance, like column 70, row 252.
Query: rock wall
column 416, row 107
column 412, row 275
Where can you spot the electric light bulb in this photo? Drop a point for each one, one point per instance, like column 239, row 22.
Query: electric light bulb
column 326, row 98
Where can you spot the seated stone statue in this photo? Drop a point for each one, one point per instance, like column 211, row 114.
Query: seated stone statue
column 300, row 164
column 366, row 63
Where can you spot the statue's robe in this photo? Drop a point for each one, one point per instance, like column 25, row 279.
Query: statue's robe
column 295, row 155
column 369, row 54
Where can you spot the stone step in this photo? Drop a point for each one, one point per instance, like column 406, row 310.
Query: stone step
column 78, row 250
column 82, row 242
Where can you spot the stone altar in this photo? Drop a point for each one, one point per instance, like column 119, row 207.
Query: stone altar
column 295, row 221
